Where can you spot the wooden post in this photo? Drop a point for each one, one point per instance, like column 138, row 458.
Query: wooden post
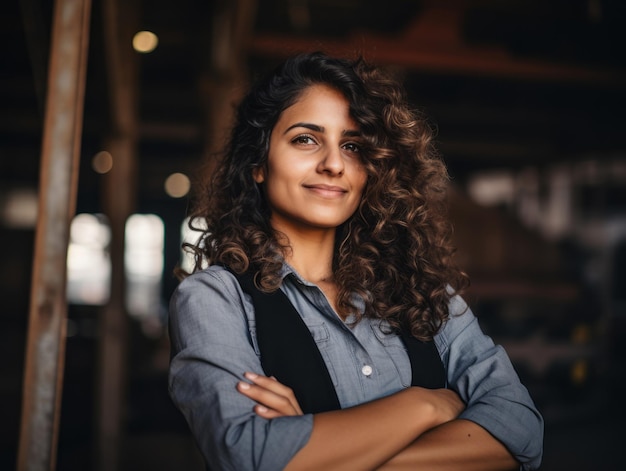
column 45, row 348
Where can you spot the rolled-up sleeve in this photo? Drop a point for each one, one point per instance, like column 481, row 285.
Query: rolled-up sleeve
column 482, row 374
column 212, row 347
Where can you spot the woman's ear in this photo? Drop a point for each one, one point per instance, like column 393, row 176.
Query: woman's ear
column 258, row 174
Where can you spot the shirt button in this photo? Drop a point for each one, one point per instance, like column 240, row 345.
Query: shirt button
column 367, row 370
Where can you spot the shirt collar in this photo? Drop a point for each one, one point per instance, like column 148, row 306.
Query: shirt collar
column 287, row 270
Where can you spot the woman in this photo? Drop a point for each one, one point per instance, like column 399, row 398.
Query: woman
column 327, row 212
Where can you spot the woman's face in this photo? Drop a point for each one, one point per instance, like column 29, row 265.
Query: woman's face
column 314, row 177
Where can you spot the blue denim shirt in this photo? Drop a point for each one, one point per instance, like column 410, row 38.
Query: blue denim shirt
column 213, row 339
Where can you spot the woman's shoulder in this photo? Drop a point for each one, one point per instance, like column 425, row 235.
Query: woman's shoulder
column 210, row 296
column 214, row 275
column 459, row 318
column 212, row 283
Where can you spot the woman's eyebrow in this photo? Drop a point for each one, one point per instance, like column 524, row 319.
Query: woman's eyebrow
column 312, row 127
column 317, row 128
column 352, row 133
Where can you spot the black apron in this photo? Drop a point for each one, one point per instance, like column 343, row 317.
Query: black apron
column 289, row 353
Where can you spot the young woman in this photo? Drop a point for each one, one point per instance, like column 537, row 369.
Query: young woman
column 327, row 331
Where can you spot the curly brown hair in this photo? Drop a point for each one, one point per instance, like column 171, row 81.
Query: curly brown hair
column 395, row 251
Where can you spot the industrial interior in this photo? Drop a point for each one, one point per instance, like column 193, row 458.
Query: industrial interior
column 527, row 98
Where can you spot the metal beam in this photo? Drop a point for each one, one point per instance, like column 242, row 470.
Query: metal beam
column 45, row 346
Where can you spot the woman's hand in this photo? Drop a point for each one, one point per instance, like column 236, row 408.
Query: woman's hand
column 273, row 398
column 446, row 404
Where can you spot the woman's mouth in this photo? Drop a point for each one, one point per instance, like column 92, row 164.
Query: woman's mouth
column 327, row 191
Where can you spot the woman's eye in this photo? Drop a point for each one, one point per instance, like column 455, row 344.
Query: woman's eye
column 352, row 147
column 303, row 139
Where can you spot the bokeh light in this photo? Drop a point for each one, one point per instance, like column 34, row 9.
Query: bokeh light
column 177, row 185
column 102, row 162
column 145, row 42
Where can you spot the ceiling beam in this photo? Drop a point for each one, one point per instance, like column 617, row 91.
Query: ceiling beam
column 433, row 42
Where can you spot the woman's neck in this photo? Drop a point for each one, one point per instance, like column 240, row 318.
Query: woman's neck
column 312, row 258
column 311, row 253
column 312, row 265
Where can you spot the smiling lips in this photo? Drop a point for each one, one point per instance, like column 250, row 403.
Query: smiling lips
column 327, row 191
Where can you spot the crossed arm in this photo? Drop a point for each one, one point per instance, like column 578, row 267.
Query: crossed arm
column 413, row 428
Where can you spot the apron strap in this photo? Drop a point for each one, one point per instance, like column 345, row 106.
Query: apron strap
column 289, row 352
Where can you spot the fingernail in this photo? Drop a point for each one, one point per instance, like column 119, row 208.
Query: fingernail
column 261, row 409
column 250, row 375
column 243, row 385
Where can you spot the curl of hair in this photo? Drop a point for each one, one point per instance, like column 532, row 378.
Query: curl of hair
column 395, row 251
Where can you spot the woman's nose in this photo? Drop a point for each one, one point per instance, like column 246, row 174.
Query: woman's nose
column 332, row 161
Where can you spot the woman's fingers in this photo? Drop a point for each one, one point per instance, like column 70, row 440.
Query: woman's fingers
column 268, row 413
column 272, row 384
column 274, row 399
column 269, row 404
column 267, row 398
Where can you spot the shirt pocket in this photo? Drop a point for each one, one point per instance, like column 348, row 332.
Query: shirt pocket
column 394, row 348
column 321, row 337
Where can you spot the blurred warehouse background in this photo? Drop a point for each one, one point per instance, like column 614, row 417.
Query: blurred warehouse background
column 528, row 99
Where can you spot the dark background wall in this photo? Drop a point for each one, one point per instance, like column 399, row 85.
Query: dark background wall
column 527, row 99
